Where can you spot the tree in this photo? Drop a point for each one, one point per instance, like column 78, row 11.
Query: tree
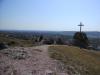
column 59, row 41
column 40, row 38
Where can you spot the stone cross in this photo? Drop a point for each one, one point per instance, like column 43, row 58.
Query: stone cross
column 80, row 26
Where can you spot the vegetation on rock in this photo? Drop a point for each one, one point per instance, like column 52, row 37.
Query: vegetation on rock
column 81, row 40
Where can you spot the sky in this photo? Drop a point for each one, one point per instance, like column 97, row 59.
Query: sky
column 51, row 15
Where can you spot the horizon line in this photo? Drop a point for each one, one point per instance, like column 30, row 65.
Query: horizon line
column 48, row 30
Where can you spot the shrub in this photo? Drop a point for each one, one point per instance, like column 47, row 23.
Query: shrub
column 80, row 39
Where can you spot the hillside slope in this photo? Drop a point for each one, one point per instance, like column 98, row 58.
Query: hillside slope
column 77, row 60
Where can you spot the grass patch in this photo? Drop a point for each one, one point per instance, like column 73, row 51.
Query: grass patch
column 16, row 42
column 84, row 61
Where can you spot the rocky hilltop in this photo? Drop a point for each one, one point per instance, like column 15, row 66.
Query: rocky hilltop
column 29, row 61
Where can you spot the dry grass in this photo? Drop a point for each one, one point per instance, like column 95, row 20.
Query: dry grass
column 16, row 42
column 84, row 61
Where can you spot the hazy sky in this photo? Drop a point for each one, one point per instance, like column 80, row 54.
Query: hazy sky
column 56, row 15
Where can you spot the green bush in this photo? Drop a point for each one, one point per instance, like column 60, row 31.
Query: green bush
column 81, row 40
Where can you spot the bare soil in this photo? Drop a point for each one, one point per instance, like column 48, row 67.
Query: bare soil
column 29, row 61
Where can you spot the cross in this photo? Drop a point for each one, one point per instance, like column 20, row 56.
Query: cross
column 80, row 26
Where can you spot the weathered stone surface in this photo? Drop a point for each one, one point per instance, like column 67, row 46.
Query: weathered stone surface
column 36, row 62
column 15, row 54
column 49, row 72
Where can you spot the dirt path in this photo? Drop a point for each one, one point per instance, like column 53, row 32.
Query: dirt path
column 37, row 63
